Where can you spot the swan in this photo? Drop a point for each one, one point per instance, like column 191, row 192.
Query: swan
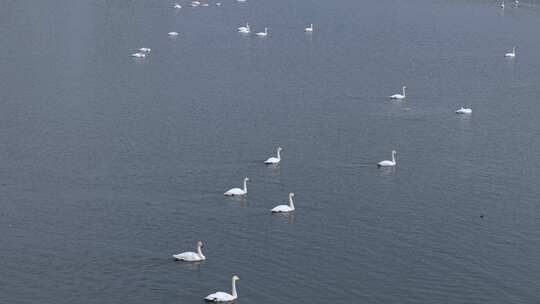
column 389, row 163
column 174, row 34
column 511, row 54
column 218, row 3
column 502, row 4
column 221, row 296
column 263, row 34
column 244, row 29
column 191, row 256
column 285, row 208
column 145, row 50
column 138, row 55
column 274, row 160
column 176, row 5
column 205, row 4
column 309, row 29
column 516, row 2
column 399, row 96
column 241, row 0
column 463, row 110
column 195, row 3
column 238, row 191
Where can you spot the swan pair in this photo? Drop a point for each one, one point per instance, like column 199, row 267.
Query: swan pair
column 274, row 160
column 400, row 96
column 189, row 256
column 511, row 54
column 463, row 110
column 389, row 163
column 221, row 296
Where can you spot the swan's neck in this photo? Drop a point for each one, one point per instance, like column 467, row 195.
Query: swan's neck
column 199, row 252
column 291, row 203
column 234, row 294
column 278, row 155
column 403, row 90
column 394, row 158
column 245, row 186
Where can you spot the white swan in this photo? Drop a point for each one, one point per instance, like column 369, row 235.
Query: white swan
column 195, row 3
column 238, row 191
column 221, row 296
column 274, row 160
column 463, row 110
column 218, row 3
column 502, row 4
column 263, row 34
column 400, row 96
column 173, row 34
column 145, row 50
column 139, row 55
column 241, row 0
column 511, row 54
column 389, row 163
column 309, row 29
column 205, row 4
column 176, row 5
column 244, row 29
column 516, row 2
column 285, row 208
column 191, row 256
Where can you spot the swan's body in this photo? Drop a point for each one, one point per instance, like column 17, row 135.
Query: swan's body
column 145, row 50
column 191, row 256
column 274, row 160
column 516, row 2
column 195, row 3
column 263, row 34
column 205, row 4
column 173, row 34
column 285, row 208
column 241, row 0
column 221, row 296
column 218, row 3
column 238, row 191
column 309, row 29
column 511, row 54
column 463, row 110
column 244, row 29
column 389, row 163
column 138, row 55
column 400, row 96
column 176, row 5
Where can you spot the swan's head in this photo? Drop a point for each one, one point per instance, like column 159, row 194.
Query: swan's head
column 280, row 148
column 247, row 179
column 394, row 152
column 291, row 194
column 200, row 244
column 236, row 278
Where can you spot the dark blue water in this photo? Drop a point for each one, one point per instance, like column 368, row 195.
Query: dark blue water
column 110, row 165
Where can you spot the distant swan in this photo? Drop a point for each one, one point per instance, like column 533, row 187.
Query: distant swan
column 174, row 34
column 274, row 160
column 502, row 4
column 285, row 208
column 205, row 4
column 399, row 96
column 388, row 163
column 241, row 0
column 145, row 50
column 511, row 54
column 244, row 29
column 463, row 110
column 195, row 3
column 310, row 28
column 176, row 5
column 138, row 55
column 223, row 296
column 238, row 191
column 263, row 34
column 191, row 256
